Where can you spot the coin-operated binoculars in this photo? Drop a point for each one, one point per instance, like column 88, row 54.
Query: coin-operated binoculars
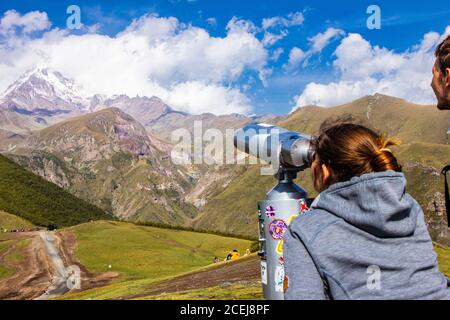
column 289, row 153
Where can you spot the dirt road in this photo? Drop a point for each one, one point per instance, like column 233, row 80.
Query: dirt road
column 45, row 266
column 60, row 277
column 32, row 271
column 48, row 259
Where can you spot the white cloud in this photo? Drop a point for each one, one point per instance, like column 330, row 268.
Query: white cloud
column 276, row 54
column 321, row 40
column 316, row 44
column 212, row 21
column 296, row 56
column 152, row 56
column 271, row 38
column 275, row 28
column 27, row 23
column 196, row 97
column 364, row 69
column 236, row 25
column 291, row 20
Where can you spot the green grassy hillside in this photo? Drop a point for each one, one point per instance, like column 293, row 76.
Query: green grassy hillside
column 143, row 255
column 252, row 289
column 394, row 117
column 42, row 203
column 10, row 221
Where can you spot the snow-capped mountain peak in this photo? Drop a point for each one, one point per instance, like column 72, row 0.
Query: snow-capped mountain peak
column 43, row 90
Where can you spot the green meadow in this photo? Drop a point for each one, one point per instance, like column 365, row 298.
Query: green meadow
column 142, row 255
column 10, row 221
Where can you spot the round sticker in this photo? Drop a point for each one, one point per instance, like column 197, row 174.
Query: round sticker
column 277, row 229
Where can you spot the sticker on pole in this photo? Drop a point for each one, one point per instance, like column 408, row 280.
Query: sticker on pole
column 303, row 206
column 280, row 247
column 277, row 228
column 291, row 218
column 270, row 212
column 279, row 279
column 264, row 272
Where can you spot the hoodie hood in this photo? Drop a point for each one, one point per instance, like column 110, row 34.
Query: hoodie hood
column 376, row 203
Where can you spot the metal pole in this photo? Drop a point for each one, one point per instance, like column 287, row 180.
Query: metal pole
column 283, row 203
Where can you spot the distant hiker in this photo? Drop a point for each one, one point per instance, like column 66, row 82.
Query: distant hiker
column 230, row 254
column 247, row 252
column 441, row 87
column 364, row 237
column 216, row 260
column 235, row 255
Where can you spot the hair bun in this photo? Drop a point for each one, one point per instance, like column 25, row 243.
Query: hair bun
column 385, row 160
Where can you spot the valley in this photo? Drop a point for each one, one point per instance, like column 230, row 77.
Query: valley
column 116, row 260
column 139, row 226
column 124, row 261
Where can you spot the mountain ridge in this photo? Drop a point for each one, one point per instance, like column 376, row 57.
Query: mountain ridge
column 43, row 96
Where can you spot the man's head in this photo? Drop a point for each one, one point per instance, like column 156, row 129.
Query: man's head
column 441, row 75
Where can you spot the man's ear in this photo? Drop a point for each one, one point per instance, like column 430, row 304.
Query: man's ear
column 326, row 175
column 447, row 77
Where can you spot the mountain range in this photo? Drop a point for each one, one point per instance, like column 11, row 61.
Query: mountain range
column 114, row 152
column 99, row 152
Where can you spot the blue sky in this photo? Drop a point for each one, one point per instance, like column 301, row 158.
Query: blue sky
column 403, row 26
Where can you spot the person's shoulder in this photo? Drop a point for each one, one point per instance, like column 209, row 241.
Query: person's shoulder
column 308, row 224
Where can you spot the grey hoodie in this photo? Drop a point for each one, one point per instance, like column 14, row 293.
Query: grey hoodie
column 363, row 239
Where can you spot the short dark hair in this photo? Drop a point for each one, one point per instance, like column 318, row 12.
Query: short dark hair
column 443, row 54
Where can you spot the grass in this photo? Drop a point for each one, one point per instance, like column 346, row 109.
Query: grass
column 5, row 272
column 10, row 221
column 242, row 290
column 30, row 197
column 16, row 256
column 135, row 251
column 443, row 258
column 13, row 258
column 143, row 255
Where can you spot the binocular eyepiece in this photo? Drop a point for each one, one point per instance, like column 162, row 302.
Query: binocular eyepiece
column 276, row 145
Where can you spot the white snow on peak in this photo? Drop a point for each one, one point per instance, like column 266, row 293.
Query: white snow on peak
column 47, row 84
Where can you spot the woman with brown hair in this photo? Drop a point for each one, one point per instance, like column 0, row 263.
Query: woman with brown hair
column 364, row 236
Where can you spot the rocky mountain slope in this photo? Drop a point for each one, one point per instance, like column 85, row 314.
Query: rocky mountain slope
column 43, row 97
column 108, row 159
column 39, row 98
column 42, row 91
